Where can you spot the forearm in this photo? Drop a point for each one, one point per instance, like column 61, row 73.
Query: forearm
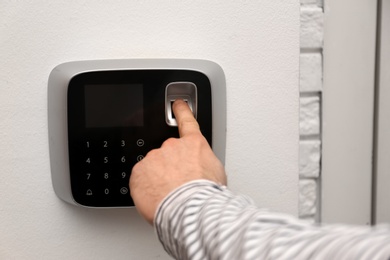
column 202, row 220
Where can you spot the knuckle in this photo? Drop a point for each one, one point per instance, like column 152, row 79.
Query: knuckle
column 135, row 170
column 150, row 154
column 198, row 140
column 169, row 142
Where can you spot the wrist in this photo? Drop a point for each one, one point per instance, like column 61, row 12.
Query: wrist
column 181, row 194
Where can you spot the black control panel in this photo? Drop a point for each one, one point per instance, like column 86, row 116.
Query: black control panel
column 114, row 119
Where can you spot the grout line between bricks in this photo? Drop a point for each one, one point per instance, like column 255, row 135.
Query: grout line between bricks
column 304, row 50
column 314, row 137
column 309, row 94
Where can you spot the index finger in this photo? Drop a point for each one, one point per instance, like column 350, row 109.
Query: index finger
column 186, row 121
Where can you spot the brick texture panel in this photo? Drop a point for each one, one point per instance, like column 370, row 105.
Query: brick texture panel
column 310, row 76
column 312, row 23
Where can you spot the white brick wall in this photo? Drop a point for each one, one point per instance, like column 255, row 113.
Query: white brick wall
column 312, row 24
column 307, row 197
column 309, row 116
column 309, row 158
column 310, row 79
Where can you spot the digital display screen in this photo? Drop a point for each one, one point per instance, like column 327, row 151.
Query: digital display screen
column 114, row 105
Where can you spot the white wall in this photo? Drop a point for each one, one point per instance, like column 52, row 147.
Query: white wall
column 382, row 204
column 348, row 111
column 255, row 42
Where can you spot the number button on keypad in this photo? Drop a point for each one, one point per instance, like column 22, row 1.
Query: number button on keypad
column 105, row 159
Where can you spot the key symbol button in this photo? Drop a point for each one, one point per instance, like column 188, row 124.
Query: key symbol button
column 140, row 142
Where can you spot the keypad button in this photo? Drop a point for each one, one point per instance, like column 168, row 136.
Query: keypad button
column 124, row 190
column 140, row 142
column 105, row 159
column 139, row 158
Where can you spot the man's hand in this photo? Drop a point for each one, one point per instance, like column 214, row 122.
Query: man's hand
column 177, row 162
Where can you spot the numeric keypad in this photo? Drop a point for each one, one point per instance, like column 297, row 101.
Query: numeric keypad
column 105, row 166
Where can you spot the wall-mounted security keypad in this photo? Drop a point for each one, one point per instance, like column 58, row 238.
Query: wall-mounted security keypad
column 105, row 116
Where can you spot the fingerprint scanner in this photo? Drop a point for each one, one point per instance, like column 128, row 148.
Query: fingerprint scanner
column 186, row 91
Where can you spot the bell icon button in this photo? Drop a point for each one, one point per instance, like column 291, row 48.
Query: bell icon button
column 89, row 192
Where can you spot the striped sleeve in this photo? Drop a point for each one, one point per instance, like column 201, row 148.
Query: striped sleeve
column 203, row 220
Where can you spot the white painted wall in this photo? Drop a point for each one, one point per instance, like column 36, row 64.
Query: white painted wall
column 255, row 42
column 348, row 111
column 382, row 204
